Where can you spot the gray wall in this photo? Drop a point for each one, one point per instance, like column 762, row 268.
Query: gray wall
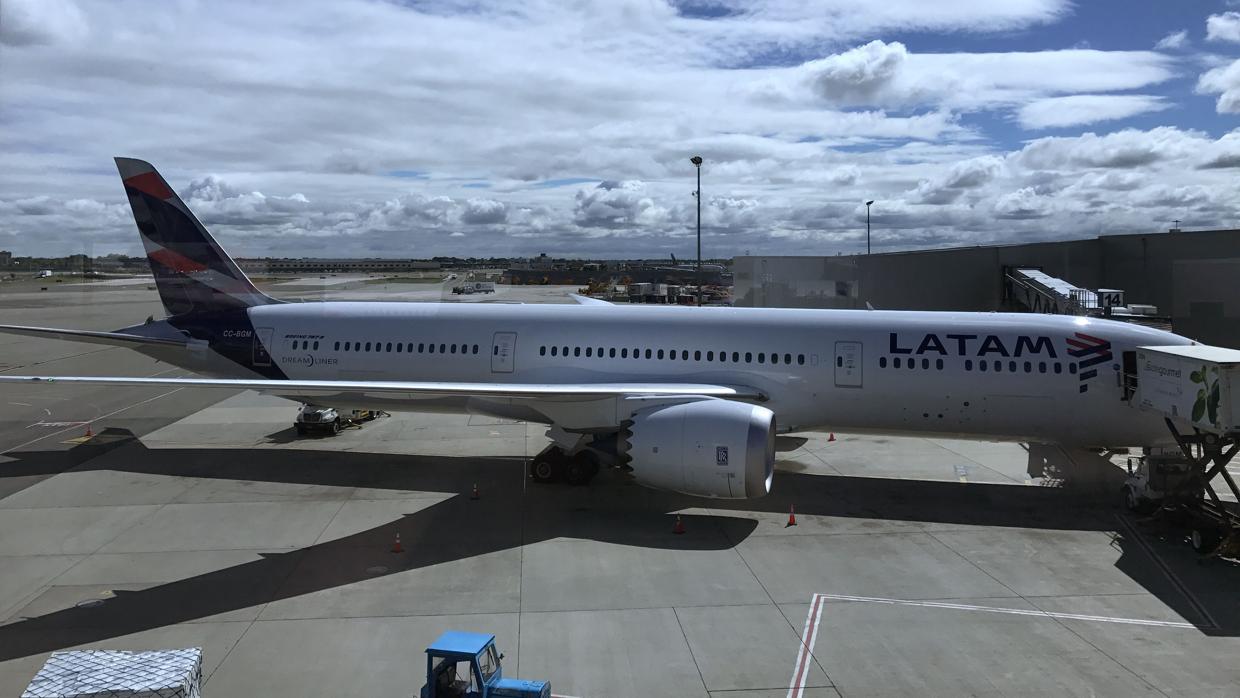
column 1187, row 275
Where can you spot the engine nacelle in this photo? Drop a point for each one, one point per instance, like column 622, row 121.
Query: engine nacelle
column 708, row 448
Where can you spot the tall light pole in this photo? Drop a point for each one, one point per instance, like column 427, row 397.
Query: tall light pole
column 867, row 225
column 697, row 164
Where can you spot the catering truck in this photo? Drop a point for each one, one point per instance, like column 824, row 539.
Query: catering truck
column 1196, row 388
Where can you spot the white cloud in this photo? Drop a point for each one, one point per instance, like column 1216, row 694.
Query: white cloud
column 881, row 74
column 1079, row 110
column 484, row 211
column 1223, row 81
column 340, row 134
column 33, row 22
column 1121, row 150
column 1173, row 41
column 1223, row 27
column 1022, row 203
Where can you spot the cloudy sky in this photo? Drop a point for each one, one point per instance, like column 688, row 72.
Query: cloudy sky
column 488, row 127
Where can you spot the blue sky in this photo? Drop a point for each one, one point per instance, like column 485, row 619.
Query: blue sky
column 440, row 127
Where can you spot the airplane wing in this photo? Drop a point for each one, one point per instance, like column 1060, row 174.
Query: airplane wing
column 411, row 389
column 586, row 300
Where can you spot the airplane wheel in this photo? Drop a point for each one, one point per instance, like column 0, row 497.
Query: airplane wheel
column 1204, row 539
column 545, row 468
column 1136, row 503
column 581, row 469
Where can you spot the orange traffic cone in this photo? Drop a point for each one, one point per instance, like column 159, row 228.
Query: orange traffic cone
column 831, row 437
column 679, row 528
column 396, row 546
column 474, row 494
column 89, row 434
column 792, row 516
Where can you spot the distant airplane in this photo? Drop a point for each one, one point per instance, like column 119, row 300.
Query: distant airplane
column 708, row 268
column 681, row 398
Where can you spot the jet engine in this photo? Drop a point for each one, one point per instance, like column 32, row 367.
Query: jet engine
column 708, row 448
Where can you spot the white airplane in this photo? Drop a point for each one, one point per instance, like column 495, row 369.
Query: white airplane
column 680, row 398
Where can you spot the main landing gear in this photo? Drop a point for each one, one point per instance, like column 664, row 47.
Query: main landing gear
column 554, row 465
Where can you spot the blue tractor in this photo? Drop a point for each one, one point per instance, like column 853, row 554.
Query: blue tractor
column 467, row 665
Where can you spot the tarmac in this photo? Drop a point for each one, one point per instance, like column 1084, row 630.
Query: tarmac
column 918, row 567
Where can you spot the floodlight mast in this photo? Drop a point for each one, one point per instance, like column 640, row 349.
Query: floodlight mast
column 867, row 225
column 697, row 164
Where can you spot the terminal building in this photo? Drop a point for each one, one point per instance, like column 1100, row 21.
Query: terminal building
column 1186, row 281
column 333, row 266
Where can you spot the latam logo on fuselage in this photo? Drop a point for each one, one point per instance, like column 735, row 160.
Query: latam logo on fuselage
column 973, row 345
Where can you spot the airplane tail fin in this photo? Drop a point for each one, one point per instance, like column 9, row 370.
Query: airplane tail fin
column 192, row 272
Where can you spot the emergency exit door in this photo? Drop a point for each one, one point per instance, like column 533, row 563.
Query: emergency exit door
column 848, row 364
column 503, row 352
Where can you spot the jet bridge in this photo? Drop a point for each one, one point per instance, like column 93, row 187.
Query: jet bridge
column 1196, row 389
column 1042, row 293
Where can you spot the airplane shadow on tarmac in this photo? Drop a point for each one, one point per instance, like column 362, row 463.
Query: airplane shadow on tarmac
column 511, row 514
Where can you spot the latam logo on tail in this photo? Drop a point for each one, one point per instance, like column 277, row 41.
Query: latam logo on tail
column 1090, row 351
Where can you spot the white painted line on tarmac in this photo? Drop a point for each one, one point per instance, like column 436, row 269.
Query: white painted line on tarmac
column 1009, row 611
column 806, row 650
column 102, row 416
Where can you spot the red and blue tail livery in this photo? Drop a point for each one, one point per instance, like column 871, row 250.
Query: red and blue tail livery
column 193, row 273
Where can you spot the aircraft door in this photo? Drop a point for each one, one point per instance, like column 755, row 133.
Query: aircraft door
column 848, row 364
column 503, row 352
column 262, row 340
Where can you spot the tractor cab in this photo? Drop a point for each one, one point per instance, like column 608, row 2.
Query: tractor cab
column 467, row 665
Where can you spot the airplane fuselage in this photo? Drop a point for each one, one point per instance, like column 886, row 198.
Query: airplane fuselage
column 1001, row 376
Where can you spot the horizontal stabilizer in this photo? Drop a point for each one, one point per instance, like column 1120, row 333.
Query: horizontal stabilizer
column 120, row 339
